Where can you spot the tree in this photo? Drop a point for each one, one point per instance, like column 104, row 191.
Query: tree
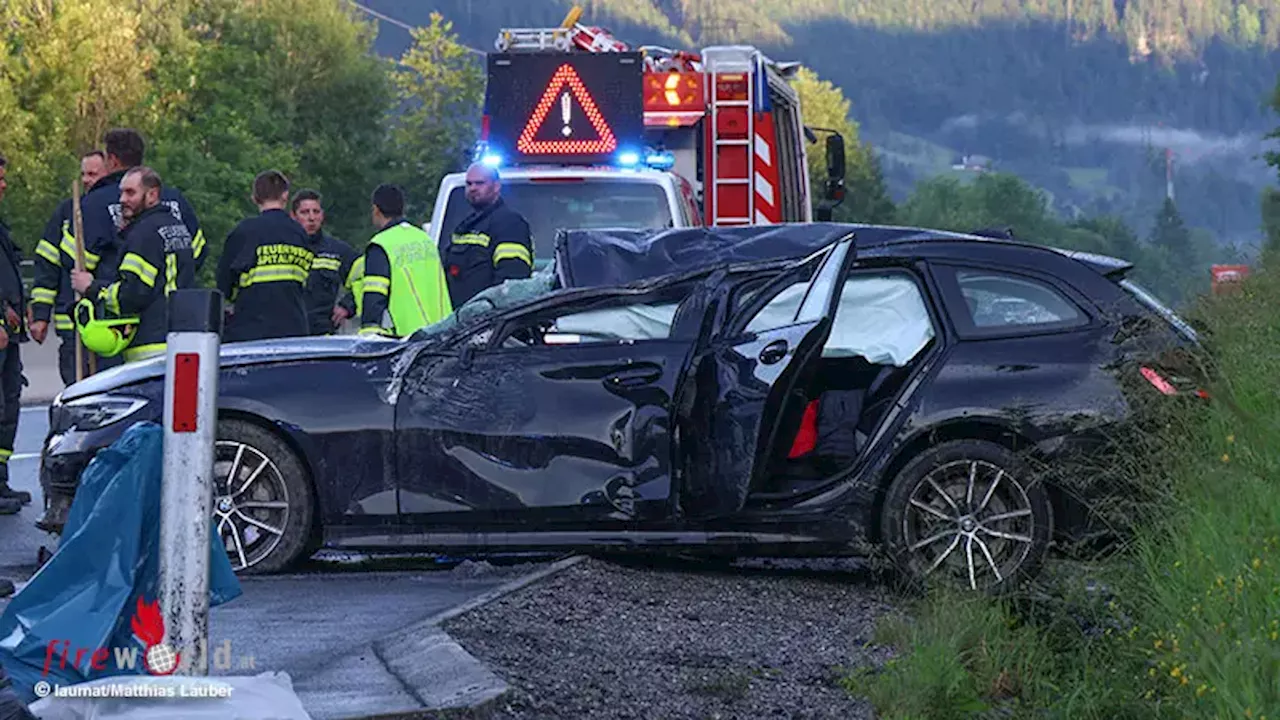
column 441, row 90
column 823, row 105
column 1170, row 234
column 72, row 70
column 1271, row 223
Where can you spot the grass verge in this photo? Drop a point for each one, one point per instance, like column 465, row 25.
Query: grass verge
column 1184, row 622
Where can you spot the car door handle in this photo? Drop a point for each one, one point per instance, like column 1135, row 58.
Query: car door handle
column 773, row 352
column 634, row 377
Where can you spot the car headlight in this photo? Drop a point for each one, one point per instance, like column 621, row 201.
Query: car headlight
column 96, row 411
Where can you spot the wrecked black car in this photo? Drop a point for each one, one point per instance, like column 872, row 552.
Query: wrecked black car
column 792, row 389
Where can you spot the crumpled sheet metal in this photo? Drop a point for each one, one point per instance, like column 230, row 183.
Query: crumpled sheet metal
column 596, row 258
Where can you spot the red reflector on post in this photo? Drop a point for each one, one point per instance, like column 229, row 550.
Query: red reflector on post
column 1158, row 382
column 186, row 390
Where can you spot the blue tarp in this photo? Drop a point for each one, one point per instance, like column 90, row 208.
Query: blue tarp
column 86, row 596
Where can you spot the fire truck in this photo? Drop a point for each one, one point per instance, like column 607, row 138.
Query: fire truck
column 588, row 133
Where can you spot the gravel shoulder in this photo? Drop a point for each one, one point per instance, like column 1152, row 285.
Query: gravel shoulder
column 607, row 640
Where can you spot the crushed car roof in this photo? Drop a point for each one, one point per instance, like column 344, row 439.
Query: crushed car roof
column 604, row 257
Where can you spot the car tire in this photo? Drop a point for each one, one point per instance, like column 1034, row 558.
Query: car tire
column 991, row 536
column 271, row 505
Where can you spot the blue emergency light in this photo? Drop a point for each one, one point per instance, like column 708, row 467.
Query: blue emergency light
column 492, row 160
column 660, row 160
column 628, row 158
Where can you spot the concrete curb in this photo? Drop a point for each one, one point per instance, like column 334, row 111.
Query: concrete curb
column 424, row 671
column 481, row 600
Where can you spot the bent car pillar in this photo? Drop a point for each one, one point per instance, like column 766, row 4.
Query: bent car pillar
column 186, row 498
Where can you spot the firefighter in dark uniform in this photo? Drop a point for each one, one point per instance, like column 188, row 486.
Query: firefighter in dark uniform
column 332, row 281
column 491, row 245
column 51, row 295
column 264, row 268
column 103, row 217
column 158, row 258
column 12, row 333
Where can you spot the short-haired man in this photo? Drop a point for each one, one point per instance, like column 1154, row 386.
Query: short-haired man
column 491, row 245
column 51, row 295
column 264, row 268
column 334, row 272
column 403, row 285
column 158, row 258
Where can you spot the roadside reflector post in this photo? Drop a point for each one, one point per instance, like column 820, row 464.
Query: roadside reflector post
column 186, row 496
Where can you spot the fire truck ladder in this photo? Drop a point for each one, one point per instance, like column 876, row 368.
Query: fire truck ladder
column 732, row 127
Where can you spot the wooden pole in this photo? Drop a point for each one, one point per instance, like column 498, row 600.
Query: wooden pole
column 79, row 233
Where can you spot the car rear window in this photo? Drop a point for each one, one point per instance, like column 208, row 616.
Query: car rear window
column 1152, row 303
column 999, row 300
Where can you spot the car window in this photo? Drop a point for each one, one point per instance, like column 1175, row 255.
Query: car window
column 999, row 300
column 579, row 205
column 607, row 320
column 804, row 299
column 881, row 317
column 617, row 324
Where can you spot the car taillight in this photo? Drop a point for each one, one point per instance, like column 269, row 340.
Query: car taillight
column 1160, row 383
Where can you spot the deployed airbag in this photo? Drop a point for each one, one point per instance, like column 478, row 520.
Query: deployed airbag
column 632, row 322
column 883, row 319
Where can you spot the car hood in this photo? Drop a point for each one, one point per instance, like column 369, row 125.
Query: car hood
column 246, row 353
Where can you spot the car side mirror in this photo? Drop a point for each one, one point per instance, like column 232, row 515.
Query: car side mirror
column 835, row 157
column 834, row 191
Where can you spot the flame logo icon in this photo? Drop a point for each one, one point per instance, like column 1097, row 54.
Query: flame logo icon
column 148, row 627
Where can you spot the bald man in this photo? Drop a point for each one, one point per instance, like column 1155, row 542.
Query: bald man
column 491, row 245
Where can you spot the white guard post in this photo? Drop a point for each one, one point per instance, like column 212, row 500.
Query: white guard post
column 186, row 497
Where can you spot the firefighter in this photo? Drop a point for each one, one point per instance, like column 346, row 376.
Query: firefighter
column 264, row 268
column 12, row 333
column 403, row 285
column 103, row 217
column 491, row 245
column 158, row 257
column 51, row 296
column 331, row 283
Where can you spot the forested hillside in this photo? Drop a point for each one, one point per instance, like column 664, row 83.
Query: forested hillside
column 1080, row 97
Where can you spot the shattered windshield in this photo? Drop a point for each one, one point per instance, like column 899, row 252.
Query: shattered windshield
column 507, row 295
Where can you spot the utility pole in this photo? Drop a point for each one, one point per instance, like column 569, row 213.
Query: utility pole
column 1168, row 173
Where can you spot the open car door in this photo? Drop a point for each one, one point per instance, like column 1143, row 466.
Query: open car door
column 772, row 330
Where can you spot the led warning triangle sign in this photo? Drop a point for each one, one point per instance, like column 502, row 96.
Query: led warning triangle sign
column 564, row 83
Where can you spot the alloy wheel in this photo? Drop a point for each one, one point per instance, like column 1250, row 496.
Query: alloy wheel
column 250, row 504
column 970, row 519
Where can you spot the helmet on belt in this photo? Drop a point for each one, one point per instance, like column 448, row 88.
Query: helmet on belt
column 107, row 337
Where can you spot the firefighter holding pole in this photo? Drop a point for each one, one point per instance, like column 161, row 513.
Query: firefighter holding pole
column 51, row 294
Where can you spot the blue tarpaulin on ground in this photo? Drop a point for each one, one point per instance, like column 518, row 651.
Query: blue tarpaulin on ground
column 85, row 597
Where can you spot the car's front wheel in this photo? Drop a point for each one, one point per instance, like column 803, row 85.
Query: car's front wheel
column 262, row 504
column 965, row 513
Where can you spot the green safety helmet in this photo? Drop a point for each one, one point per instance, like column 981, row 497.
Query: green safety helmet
column 106, row 337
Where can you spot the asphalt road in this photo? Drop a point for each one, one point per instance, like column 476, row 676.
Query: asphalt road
column 307, row 623
column 19, row 537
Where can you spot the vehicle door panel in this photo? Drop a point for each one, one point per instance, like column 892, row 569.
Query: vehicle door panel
column 744, row 377
column 553, row 433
